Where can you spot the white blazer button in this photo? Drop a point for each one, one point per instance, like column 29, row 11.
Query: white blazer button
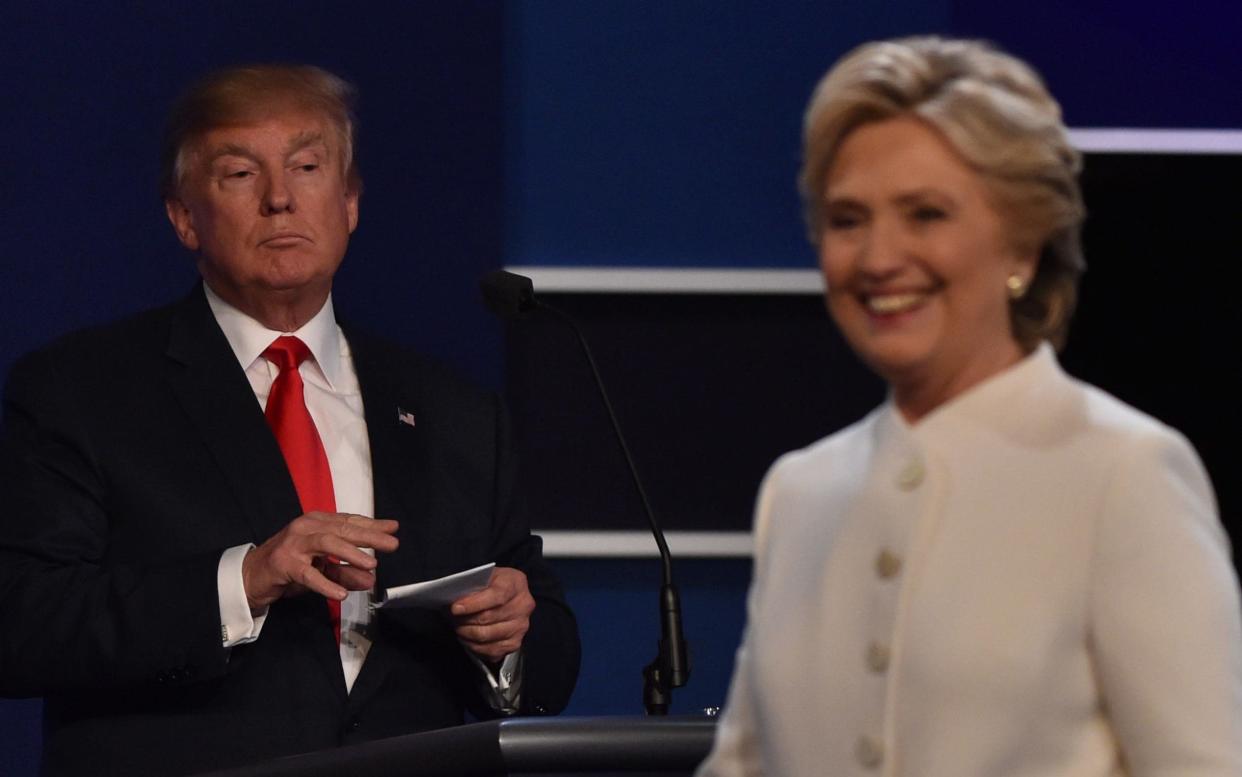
column 911, row 475
column 869, row 751
column 887, row 564
column 878, row 656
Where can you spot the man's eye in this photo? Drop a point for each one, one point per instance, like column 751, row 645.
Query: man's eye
column 928, row 213
column 309, row 167
column 238, row 174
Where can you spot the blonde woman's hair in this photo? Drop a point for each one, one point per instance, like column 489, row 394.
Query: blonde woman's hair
column 994, row 110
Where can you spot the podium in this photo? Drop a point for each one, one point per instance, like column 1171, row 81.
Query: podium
column 596, row 746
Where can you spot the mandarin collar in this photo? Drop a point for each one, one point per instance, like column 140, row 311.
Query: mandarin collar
column 995, row 401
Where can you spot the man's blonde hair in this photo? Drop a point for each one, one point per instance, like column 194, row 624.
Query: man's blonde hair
column 241, row 95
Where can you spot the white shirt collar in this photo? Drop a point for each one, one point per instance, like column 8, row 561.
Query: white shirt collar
column 249, row 339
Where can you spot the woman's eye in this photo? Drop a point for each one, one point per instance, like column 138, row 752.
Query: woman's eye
column 839, row 221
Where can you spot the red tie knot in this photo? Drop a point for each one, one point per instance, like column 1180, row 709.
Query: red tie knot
column 287, row 352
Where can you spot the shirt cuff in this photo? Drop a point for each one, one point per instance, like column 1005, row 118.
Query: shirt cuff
column 502, row 688
column 237, row 625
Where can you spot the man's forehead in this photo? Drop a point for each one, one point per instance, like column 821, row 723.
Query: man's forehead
column 285, row 132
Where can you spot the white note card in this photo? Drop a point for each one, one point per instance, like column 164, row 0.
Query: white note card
column 441, row 592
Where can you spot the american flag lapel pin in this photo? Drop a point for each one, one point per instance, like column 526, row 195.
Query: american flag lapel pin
column 405, row 417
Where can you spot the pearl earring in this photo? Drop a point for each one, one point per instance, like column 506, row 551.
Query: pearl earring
column 1016, row 285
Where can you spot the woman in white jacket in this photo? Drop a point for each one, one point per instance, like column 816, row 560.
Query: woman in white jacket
column 1001, row 571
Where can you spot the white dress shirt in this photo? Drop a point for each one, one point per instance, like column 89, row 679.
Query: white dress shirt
column 335, row 405
column 334, row 401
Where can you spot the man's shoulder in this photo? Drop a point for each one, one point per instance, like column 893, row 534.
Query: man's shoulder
column 409, row 369
column 107, row 345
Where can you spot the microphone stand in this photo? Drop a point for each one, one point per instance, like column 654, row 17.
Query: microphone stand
column 671, row 667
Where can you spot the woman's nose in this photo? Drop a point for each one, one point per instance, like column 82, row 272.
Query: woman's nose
column 883, row 250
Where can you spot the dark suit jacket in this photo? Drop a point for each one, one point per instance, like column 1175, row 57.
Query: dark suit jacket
column 134, row 454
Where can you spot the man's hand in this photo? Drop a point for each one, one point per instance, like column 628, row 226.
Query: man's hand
column 491, row 623
column 295, row 559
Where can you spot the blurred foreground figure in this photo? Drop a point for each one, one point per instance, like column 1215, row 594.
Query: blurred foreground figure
column 1001, row 571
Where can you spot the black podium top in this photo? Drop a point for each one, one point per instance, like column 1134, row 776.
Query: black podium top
column 518, row 746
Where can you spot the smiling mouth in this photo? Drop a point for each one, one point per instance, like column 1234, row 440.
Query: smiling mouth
column 890, row 304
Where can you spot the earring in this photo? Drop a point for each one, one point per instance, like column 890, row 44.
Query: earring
column 1016, row 285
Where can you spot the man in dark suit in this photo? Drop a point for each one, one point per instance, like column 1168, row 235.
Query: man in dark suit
column 166, row 575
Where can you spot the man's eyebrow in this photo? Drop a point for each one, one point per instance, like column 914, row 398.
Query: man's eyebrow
column 230, row 149
column 303, row 140
column 300, row 141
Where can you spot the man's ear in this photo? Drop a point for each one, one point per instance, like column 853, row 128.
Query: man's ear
column 352, row 195
column 182, row 222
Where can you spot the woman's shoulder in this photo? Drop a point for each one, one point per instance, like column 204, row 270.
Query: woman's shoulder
column 1114, row 421
column 801, row 486
column 831, row 468
column 1138, row 449
column 849, row 443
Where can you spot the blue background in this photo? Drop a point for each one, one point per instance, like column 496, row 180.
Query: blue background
column 667, row 134
column 553, row 132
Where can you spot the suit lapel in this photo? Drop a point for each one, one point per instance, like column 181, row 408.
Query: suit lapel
column 212, row 388
column 399, row 463
column 399, row 468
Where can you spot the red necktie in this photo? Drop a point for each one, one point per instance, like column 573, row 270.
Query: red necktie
column 298, row 439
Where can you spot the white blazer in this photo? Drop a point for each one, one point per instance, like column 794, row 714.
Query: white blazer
column 1030, row 582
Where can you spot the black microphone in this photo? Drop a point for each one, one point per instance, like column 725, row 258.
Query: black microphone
column 509, row 295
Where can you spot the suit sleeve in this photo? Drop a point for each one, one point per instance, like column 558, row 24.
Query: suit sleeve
column 74, row 618
column 551, row 648
column 1165, row 616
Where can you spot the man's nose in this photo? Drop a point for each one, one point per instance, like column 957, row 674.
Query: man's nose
column 277, row 196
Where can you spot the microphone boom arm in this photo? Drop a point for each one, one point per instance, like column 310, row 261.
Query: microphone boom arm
column 671, row 667
column 509, row 295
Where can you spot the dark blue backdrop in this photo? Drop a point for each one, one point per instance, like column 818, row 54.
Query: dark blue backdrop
column 553, row 132
column 85, row 89
column 669, row 136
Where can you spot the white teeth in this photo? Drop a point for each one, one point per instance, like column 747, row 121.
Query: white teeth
column 893, row 303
